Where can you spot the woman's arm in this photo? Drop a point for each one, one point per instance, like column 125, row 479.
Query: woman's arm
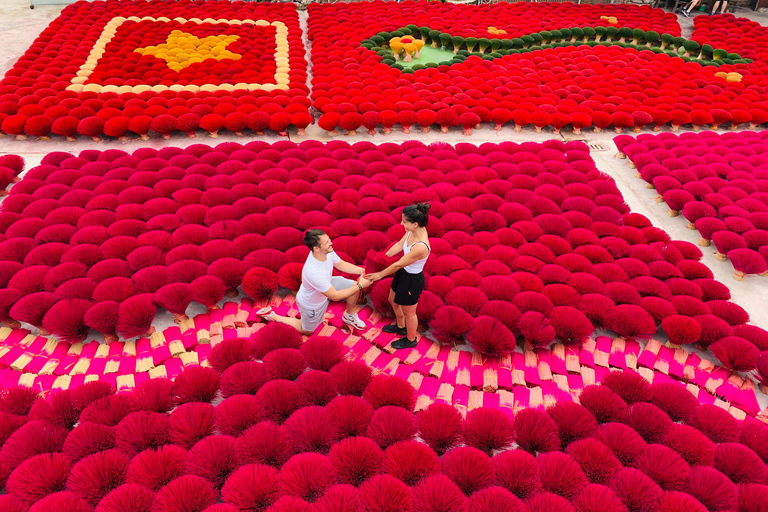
column 417, row 252
column 398, row 247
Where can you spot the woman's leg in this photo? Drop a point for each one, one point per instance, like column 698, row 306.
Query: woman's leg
column 411, row 321
column 399, row 316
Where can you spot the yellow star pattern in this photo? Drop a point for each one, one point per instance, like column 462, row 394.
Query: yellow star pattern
column 182, row 49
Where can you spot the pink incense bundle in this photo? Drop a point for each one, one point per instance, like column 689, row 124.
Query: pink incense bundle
column 746, row 261
column 135, row 315
column 175, row 298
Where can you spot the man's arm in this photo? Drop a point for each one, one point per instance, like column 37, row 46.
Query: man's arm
column 339, row 295
column 348, row 268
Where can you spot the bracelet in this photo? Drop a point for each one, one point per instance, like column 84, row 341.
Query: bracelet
column 361, row 288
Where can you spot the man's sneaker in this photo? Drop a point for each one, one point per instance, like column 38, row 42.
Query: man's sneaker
column 404, row 342
column 354, row 321
column 266, row 313
column 394, row 329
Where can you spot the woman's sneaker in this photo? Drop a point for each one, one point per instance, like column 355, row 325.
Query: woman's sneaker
column 394, row 329
column 404, row 342
column 686, row 13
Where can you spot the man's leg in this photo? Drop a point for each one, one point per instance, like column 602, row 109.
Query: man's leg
column 352, row 303
column 293, row 322
column 342, row 283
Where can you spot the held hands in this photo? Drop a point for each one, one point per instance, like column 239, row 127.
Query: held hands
column 364, row 282
column 374, row 276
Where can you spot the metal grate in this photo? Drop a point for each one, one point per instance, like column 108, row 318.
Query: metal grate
column 596, row 146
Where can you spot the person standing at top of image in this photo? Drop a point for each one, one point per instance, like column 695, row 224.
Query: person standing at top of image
column 319, row 286
column 408, row 280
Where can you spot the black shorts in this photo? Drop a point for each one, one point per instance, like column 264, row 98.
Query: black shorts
column 407, row 287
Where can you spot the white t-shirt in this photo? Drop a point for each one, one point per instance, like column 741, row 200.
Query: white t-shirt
column 316, row 280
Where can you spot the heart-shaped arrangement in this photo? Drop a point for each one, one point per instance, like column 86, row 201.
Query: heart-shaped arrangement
column 118, row 68
column 527, row 71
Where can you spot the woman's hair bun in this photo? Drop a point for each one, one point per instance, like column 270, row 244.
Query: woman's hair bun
column 423, row 207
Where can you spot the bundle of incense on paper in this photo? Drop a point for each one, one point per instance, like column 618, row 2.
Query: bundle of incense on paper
column 504, row 372
column 531, row 368
column 587, row 353
column 461, row 399
column 202, row 326
column 215, row 329
column 557, row 360
column 491, row 375
column 445, row 394
column 230, row 311
column 603, row 351
column 86, row 356
column 647, row 357
column 128, row 359
column 113, row 358
column 243, row 311
column 518, row 369
column 545, row 357
column 69, row 360
column 476, row 371
column 662, row 359
column 436, row 370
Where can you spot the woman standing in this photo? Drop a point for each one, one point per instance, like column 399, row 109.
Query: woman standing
column 408, row 279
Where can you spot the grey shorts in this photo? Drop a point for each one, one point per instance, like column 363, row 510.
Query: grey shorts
column 312, row 318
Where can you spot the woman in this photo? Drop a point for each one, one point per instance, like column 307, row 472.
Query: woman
column 408, row 280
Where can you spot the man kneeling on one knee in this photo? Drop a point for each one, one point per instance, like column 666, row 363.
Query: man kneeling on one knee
column 319, row 286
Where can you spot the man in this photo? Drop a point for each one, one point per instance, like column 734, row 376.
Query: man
column 319, row 286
